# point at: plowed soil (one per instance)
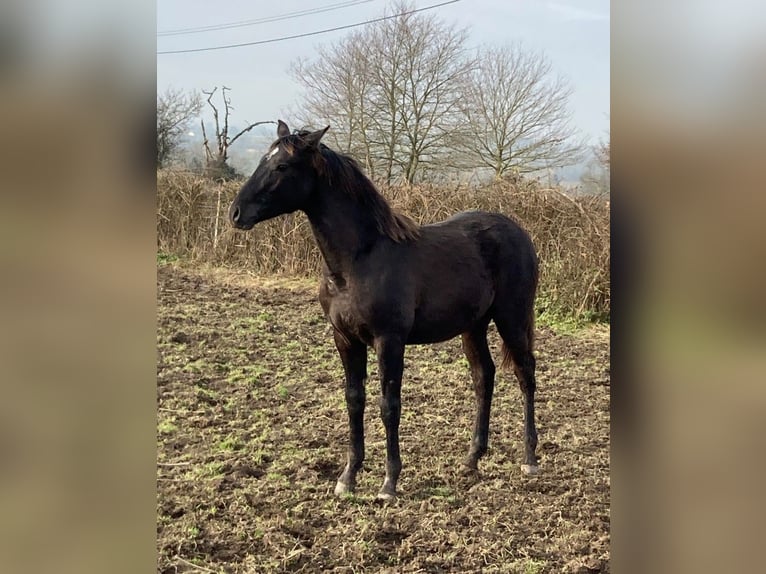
(252, 433)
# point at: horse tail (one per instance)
(528, 318)
(507, 361)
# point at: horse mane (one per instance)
(344, 173)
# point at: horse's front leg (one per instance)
(390, 352)
(353, 354)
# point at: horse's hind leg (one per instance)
(518, 338)
(483, 375)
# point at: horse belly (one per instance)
(434, 322)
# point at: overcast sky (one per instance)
(574, 34)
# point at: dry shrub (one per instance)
(571, 234)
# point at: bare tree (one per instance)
(604, 154)
(517, 114)
(175, 110)
(216, 160)
(433, 65)
(339, 84)
(390, 92)
(597, 175)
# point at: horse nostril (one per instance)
(235, 214)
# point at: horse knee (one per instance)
(390, 409)
(355, 396)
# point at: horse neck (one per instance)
(342, 227)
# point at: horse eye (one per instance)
(282, 167)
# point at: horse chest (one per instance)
(339, 306)
(346, 316)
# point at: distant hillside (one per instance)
(249, 148)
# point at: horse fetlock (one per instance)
(342, 488)
(388, 492)
(474, 454)
(530, 469)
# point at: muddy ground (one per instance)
(252, 434)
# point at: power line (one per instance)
(259, 42)
(243, 23)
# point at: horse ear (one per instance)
(313, 138)
(282, 129)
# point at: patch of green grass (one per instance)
(288, 451)
(247, 323)
(282, 391)
(276, 477)
(220, 368)
(251, 374)
(230, 443)
(167, 426)
(166, 258)
(264, 317)
(203, 393)
(254, 322)
(231, 404)
(197, 366)
(291, 346)
(440, 492)
(352, 498)
(260, 455)
(561, 323)
(565, 321)
(533, 566)
(209, 470)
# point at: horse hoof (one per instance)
(530, 469)
(342, 488)
(386, 496)
(470, 471)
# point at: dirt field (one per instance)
(252, 433)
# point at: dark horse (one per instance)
(388, 283)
